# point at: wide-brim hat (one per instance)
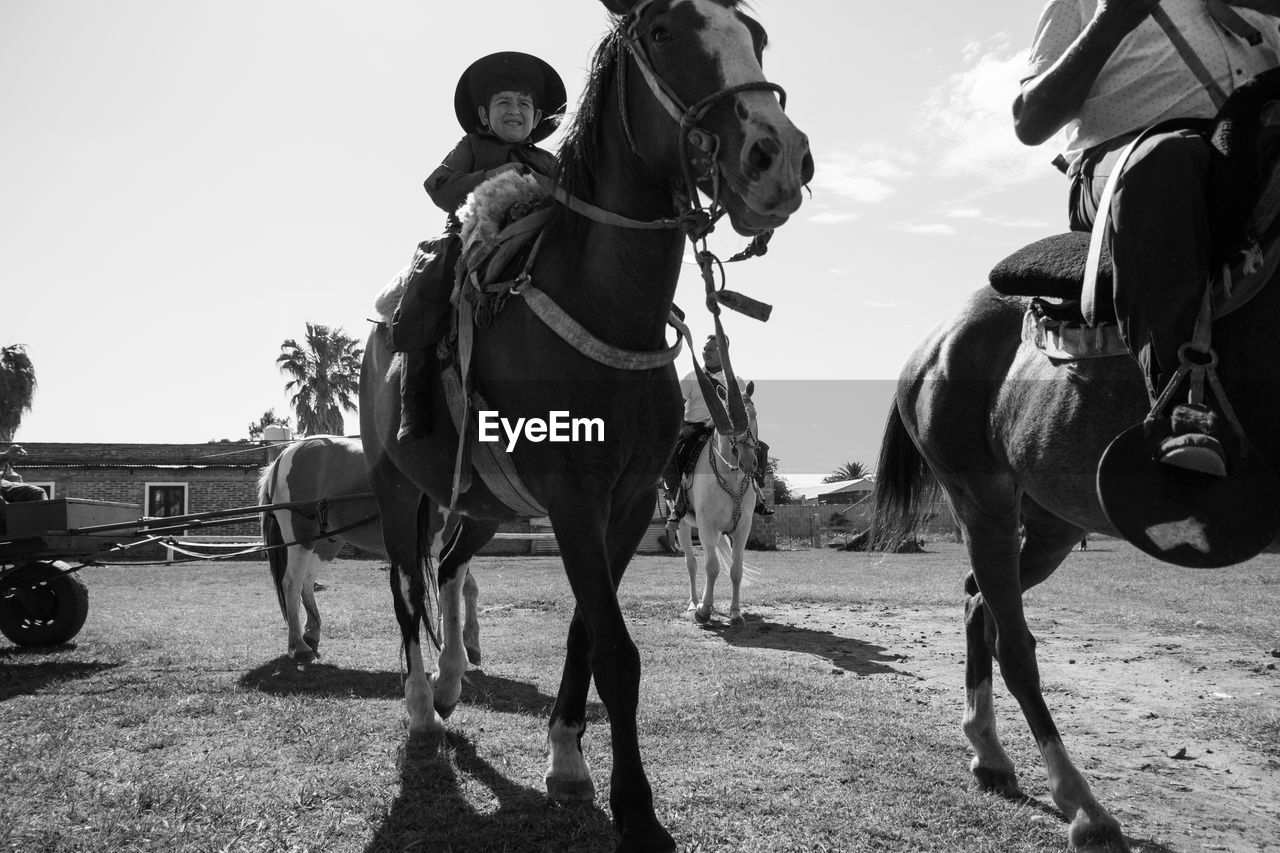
(510, 69)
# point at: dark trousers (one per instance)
(1159, 241)
(424, 306)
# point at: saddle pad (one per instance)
(1053, 267)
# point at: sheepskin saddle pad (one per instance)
(500, 220)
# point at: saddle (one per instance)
(1244, 208)
(687, 450)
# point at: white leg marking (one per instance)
(568, 777)
(453, 656)
(990, 761)
(417, 687)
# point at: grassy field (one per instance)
(829, 723)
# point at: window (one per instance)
(166, 499)
(48, 487)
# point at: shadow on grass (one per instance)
(26, 671)
(1136, 845)
(856, 656)
(432, 812)
(283, 676)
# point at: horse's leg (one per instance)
(739, 544)
(471, 619)
(711, 561)
(311, 633)
(295, 579)
(1047, 543)
(685, 535)
(468, 538)
(600, 645)
(996, 556)
(398, 502)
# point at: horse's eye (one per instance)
(660, 34)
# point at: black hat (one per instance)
(515, 71)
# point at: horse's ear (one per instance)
(751, 388)
(618, 7)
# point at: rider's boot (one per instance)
(415, 396)
(1191, 441)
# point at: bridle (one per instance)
(696, 221)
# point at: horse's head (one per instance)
(698, 107)
(741, 450)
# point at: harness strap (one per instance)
(1101, 223)
(577, 336)
(1216, 94)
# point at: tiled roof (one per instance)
(103, 455)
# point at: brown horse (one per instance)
(1014, 439)
(675, 88)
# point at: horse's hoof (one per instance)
(305, 655)
(423, 745)
(571, 790)
(473, 655)
(1096, 834)
(445, 710)
(1002, 782)
(313, 642)
(653, 839)
(701, 618)
(737, 621)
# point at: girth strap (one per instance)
(577, 336)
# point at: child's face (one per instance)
(511, 116)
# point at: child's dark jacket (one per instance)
(463, 170)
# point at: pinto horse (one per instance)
(721, 503)
(330, 471)
(611, 262)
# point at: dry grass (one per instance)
(173, 724)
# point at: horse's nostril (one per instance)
(806, 169)
(761, 156)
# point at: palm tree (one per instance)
(324, 376)
(847, 471)
(17, 388)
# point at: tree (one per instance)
(324, 376)
(17, 388)
(269, 418)
(781, 488)
(847, 471)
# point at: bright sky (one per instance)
(186, 183)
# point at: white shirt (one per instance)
(695, 407)
(1146, 80)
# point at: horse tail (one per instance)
(904, 486)
(272, 538)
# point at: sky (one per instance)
(184, 184)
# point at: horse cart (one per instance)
(43, 602)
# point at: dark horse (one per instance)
(1014, 439)
(626, 154)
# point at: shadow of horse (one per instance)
(285, 676)
(849, 654)
(432, 813)
(27, 671)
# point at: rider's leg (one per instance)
(762, 467)
(1160, 248)
(415, 330)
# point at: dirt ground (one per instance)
(1158, 724)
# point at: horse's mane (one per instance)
(580, 149)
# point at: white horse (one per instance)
(323, 470)
(721, 502)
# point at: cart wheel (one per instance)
(43, 607)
